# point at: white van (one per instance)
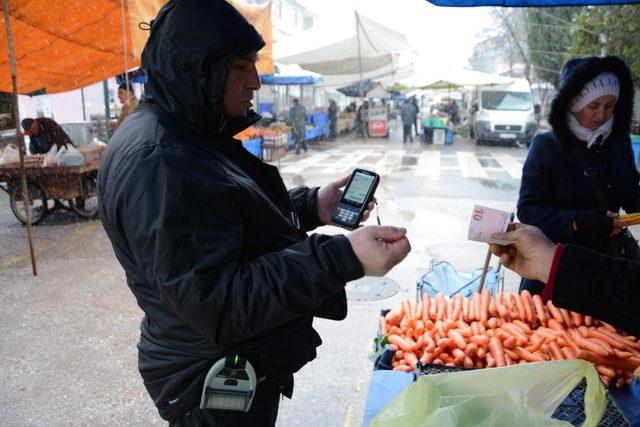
(503, 114)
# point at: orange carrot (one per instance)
(536, 346)
(442, 307)
(569, 353)
(419, 310)
(522, 326)
(555, 325)
(404, 368)
(566, 316)
(493, 309)
(495, 347)
(588, 320)
(480, 340)
(522, 314)
(468, 363)
(588, 344)
(493, 323)
(503, 312)
(458, 355)
(555, 312)
(482, 352)
(611, 362)
(457, 338)
(399, 354)
(485, 300)
(457, 307)
(400, 342)
(594, 333)
(555, 351)
(528, 306)
(383, 325)
(491, 362)
(510, 343)
(577, 318)
(528, 356)
(539, 306)
(471, 349)
(411, 359)
(477, 305)
(406, 308)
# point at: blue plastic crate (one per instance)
(635, 145)
(254, 146)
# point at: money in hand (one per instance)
(485, 222)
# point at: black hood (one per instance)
(187, 59)
(576, 73)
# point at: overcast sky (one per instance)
(444, 37)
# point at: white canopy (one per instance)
(336, 52)
(378, 92)
(443, 79)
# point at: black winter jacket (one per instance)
(213, 246)
(554, 186)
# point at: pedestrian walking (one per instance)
(299, 119)
(408, 116)
(333, 118)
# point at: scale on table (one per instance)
(230, 385)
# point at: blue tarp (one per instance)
(291, 74)
(528, 3)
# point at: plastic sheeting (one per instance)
(527, 3)
(291, 75)
(336, 52)
(68, 44)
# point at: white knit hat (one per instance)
(604, 84)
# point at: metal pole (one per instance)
(16, 115)
(107, 110)
(360, 83)
(84, 110)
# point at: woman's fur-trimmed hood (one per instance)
(576, 73)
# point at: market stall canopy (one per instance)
(291, 74)
(357, 89)
(364, 46)
(69, 44)
(528, 3)
(452, 79)
(378, 92)
(386, 75)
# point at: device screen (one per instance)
(359, 188)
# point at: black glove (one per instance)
(593, 224)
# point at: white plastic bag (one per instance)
(70, 156)
(51, 158)
(10, 154)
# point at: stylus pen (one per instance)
(378, 214)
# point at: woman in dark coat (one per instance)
(590, 118)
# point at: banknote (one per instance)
(487, 221)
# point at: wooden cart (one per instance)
(53, 187)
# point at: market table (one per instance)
(385, 385)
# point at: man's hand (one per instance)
(617, 224)
(328, 197)
(379, 248)
(530, 255)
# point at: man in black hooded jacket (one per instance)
(214, 248)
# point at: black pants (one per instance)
(406, 134)
(263, 412)
(332, 128)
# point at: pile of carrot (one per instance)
(482, 332)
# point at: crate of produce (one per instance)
(273, 154)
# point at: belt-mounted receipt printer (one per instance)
(230, 385)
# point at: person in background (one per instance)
(408, 115)
(333, 118)
(575, 278)
(299, 119)
(362, 120)
(578, 176)
(416, 125)
(129, 101)
(43, 133)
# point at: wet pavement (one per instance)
(68, 336)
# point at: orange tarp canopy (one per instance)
(68, 44)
